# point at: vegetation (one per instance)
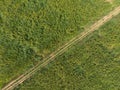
(32, 29)
(93, 64)
(116, 2)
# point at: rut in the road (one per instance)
(61, 50)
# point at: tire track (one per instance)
(61, 50)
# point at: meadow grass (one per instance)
(32, 29)
(92, 64)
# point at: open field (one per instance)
(62, 49)
(31, 30)
(93, 64)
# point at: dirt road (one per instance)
(59, 51)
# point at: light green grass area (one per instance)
(92, 64)
(116, 2)
(31, 29)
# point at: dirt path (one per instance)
(110, 1)
(59, 51)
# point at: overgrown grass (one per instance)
(32, 29)
(93, 64)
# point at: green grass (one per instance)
(92, 64)
(30, 30)
(116, 2)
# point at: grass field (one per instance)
(30, 30)
(93, 64)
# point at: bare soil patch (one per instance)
(110, 1)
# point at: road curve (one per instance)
(59, 51)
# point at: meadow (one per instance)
(31, 29)
(92, 64)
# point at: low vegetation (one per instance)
(93, 64)
(31, 29)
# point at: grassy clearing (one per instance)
(93, 64)
(116, 2)
(30, 30)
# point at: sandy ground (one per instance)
(110, 1)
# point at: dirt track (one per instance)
(61, 50)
